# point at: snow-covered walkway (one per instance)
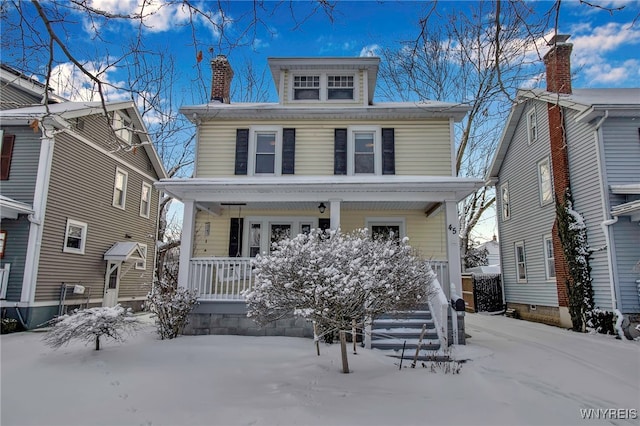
(518, 373)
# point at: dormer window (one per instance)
(324, 87)
(306, 87)
(340, 87)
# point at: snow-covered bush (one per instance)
(91, 324)
(336, 278)
(171, 306)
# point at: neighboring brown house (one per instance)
(79, 211)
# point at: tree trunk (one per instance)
(343, 350)
(97, 343)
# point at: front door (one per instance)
(112, 282)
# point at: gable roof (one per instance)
(57, 115)
(28, 84)
(589, 103)
(123, 251)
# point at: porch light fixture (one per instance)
(322, 208)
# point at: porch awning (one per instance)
(123, 251)
(314, 188)
(10, 208)
(631, 209)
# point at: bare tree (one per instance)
(38, 39)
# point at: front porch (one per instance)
(228, 221)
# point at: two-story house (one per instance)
(78, 208)
(325, 155)
(585, 140)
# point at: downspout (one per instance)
(608, 220)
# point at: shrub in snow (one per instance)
(171, 306)
(337, 278)
(90, 325)
(573, 236)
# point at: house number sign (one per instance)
(452, 229)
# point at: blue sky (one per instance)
(605, 54)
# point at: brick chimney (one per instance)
(558, 64)
(221, 75)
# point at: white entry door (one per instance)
(112, 282)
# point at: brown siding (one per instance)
(81, 188)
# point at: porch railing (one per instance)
(220, 278)
(227, 277)
(4, 280)
(439, 307)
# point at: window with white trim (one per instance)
(324, 86)
(549, 259)
(340, 87)
(75, 237)
(262, 232)
(504, 201)
(544, 182)
(532, 126)
(145, 200)
(142, 264)
(122, 126)
(381, 227)
(120, 188)
(364, 149)
(521, 262)
(265, 151)
(306, 87)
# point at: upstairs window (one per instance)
(532, 126)
(544, 182)
(120, 189)
(122, 126)
(340, 87)
(306, 87)
(265, 152)
(504, 199)
(364, 152)
(75, 237)
(145, 200)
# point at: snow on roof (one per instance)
(123, 251)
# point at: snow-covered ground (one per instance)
(518, 373)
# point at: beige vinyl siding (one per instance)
(425, 234)
(81, 188)
(421, 149)
(13, 97)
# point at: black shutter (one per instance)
(340, 152)
(5, 156)
(242, 151)
(235, 237)
(288, 151)
(388, 152)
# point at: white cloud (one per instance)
(69, 82)
(609, 74)
(370, 50)
(160, 15)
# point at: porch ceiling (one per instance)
(309, 189)
(221, 208)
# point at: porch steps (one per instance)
(393, 331)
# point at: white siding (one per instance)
(529, 221)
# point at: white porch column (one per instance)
(186, 242)
(334, 210)
(453, 248)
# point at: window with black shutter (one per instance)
(5, 156)
(340, 152)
